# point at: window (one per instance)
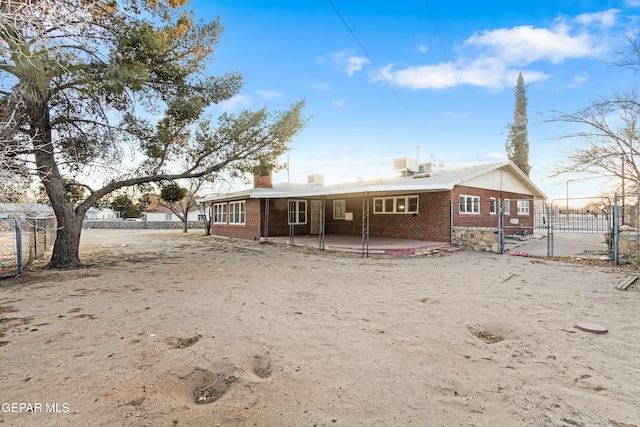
(523, 207)
(407, 204)
(470, 204)
(220, 213)
(297, 211)
(168, 216)
(492, 205)
(237, 212)
(339, 207)
(507, 207)
(202, 217)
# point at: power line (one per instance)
(367, 53)
(446, 52)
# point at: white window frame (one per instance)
(506, 207)
(220, 213)
(493, 205)
(339, 209)
(168, 216)
(294, 208)
(522, 208)
(237, 212)
(395, 207)
(465, 208)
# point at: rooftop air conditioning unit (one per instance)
(315, 179)
(405, 165)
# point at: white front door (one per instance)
(316, 216)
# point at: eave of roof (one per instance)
(441, 181)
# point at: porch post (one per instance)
(365, 225)
(266, 219)
(322, 223)
(500, 227)
(550, 219)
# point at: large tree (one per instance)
(517, 145)
(180, 200)
(608, 132)
(97, 88)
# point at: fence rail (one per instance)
(23, 240)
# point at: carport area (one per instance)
(354, 244)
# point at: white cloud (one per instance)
(237, 101)
(493, 58)
(349, 63)
(525, 44)
(269, 94)
(607, 18)
(632, 3)
(422, 48)
(421, 77)
(338, 102)
(578, 81)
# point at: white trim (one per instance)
(220, 213)
(471, 204)
(297, 212)
(238, 212)
(337, 212)
(521, 207)
(395, 205)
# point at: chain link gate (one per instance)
(625, 233)
(24, 240)
(560, 230)
(10, 247)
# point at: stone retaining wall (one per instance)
(481, 239)
(141, 225)
(628, 248)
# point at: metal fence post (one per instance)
(616, 213)
(500, 227)
(549, 229)
(18, 245)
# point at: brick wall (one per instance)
(432, 222)
(250, 230)
(485, 218)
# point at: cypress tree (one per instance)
(517, 145)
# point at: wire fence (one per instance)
(23, 240)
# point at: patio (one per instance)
(354, 244)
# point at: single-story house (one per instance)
(156, 212)
(99, 214)
(421, 204)
(25, 210)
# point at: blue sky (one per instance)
(436, 74)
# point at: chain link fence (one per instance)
(23, 240)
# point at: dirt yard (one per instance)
(169, 329)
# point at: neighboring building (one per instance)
(423, 204)
(161, 213)
(100, 214)
(26, 210)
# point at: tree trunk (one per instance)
(184, 225)
(66, 248)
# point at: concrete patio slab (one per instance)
(354, 244)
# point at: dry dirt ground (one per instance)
(169, 329)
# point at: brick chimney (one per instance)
(263, 181)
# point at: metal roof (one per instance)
(439, 181)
